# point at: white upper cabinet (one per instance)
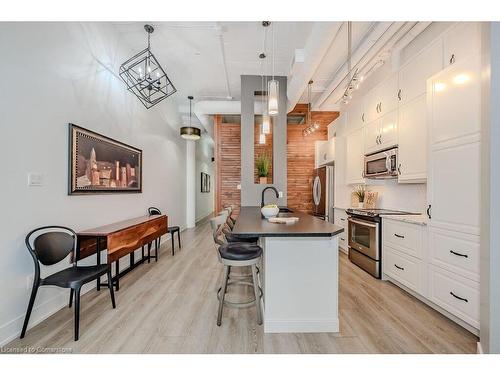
(456, 101)
(382, 133)
(325, 152)
(413, 76)
(461, 41)
(372, 136)
(382, 99)
(388, 92)
(389, 130)
(355, 157)
(454, 179)
(356, 115)
(412, 140)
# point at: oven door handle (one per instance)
(362, 223)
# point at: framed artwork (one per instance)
(100, 165)
(205, 182)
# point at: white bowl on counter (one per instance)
(268, 212)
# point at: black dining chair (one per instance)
(172, 230)
(51, 247)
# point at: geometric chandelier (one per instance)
(144, 76)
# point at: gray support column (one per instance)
(251, 192)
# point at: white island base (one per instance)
(300, 282)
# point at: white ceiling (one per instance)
(191, 53)
(207, 59)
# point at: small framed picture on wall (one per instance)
(205, 182)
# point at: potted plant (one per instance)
(263, 164)
(360, 192)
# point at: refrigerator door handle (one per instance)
(316, 191)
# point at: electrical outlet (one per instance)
(238, 186)
(29, 282)
(280, 194)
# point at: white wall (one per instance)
(204, 154)
(53, 74)
(490, 200)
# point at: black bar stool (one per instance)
(237, 254)
(171, 230)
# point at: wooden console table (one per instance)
(120, 239)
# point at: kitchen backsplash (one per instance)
(391, 195)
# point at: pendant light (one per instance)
(273, 86)
(262, 139)
(266, 120)
(311, 127)
(145, 77)
(190, 132)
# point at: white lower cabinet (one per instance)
(439, 265)
(340, 219)
(454, 293)
(406, 269)
(455, 251)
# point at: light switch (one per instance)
(35, 179)
(238, 186)
(280, 194)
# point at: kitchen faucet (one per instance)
(262, 204)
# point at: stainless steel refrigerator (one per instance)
(322, 192)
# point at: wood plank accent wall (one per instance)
(227, 164)
(300, 157)
(266, 149)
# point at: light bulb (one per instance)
(266, 124)
(262, 139)
(273, 92)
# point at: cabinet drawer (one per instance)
(457, 252)
(407, 270)
(343, 240)
(456, 294)
(404, 237)
(340, 217)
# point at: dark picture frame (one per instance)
(102, 165)
(205, 182)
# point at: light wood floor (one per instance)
(171, 307)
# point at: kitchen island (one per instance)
(299, 272)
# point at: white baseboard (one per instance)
(12, 330)
(198, 219)
(479, 348)
(311, 326)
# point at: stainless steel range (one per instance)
(365, 237)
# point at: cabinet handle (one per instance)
(458, 254)
(458, 297)
(398, 267)
(399, 169)
(342, 219)
(429, 211)
(452, 59)
(399, 236)
(363, 117)
(343, 239)
(399, 94)
(380, 106)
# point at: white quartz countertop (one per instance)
(413, 219)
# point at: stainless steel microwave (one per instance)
(382, 164)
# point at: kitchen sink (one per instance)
(285, 209)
